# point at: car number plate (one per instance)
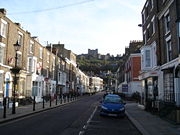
(112, 115)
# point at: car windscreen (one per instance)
(112, 99)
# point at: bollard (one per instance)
(68, 98)
(4, 105)
(50, 100)
(61, 99)
(34, 103)
(56, 99)
(43, 102)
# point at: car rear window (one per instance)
(112, 99)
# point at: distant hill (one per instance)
(98, 67)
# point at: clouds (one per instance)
(108, 25)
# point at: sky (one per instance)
(106, 25)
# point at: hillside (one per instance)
(97, 66)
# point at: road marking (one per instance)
(81, 132)
(87, 123)
(84, 127)
(90, 118)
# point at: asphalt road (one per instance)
(103, 125)
(80, 117)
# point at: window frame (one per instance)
(48, 57)
(153, 25)
(19, 58)
(167, 20)
(3, 28)
(31, 47)
(20, 38)
(30, 65)
(147, 65)
(169, 50)
(2, 46)
(40, 52)
(168, 81)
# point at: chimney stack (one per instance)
(18, 24)
(3, 11)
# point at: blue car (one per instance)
(112, 105)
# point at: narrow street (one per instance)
(71, 120)
(101, 125)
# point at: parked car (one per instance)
(112, 105)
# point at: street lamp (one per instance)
(15, 70)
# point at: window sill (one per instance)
(167, 32)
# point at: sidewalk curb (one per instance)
(137, 124)
(32, 113)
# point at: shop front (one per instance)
(150, 90)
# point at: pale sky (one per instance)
(106, 25)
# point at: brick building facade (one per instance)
(160, 57)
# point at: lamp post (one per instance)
(15, 70)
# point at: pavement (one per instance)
(149, 124)
(27, 110)
(145, 122)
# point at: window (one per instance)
(59, 76)
(168, 87)
(20, 38)
(59, 64)
(30, 63)
(3, 28)
(53, 64)
(169, 50)
(34, 65)
(1, 82)
(154, 54)
(146, 10)
(53, 68)
(38, 68)
(147, 58)
(153, 25)
(167, 22)
(35, 88)
(19, 54)
(145, 37)
(47, 72)
(143, 17)
(179, 29)
(40, 53)
(48, 57)
(31, 46)
(146, 13)
(148, 32)
(2, 52)
(142, 59)
(152, 3)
